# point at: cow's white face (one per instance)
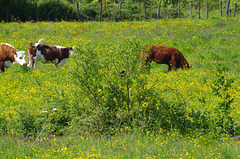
(20, 58)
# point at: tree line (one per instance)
(108, 10)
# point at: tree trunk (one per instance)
(120, 10)
(178, 9)
(227, 8)
(235, 9)
(207, 10)
(100, 12)
(220, 8)
(190, 7)
(199, 9)
(158, 11)
(145, 6)
(36, 11)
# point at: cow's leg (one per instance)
(35, 60)
(30, 61)
(182, 65)
(169, 67)
(63, 62)
(29, 58)
(174, 65)
(2, 67)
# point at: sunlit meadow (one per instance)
(203, 43)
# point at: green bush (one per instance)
(28, 124)
(223, 123)
(106, 101)
(54, 10)
(16, 10)
(89, 11)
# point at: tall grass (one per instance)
(135, 145)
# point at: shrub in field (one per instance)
(221, 123)
(51, 116)
(59, 114)
(28, 124)
(107, 100)
(200, 121)
(224, 123)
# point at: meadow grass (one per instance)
(134, 145)
(30, 91)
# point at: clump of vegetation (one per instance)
(111, 101)
(224, 123)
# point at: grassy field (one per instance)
(161, 145)
(29, 97)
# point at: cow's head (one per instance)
(68, 50)
(20, 58)
(71, 50)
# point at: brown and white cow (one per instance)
(9, 55)
(47, 53)
(163, 55)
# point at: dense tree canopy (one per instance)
(24, 10)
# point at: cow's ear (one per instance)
(31, 44)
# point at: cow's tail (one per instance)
(40, 41)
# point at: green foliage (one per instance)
(56, 10)
(107, 93)
(57, 116)
(201, 121)
(3, 125)
(224, 123)
(14, 10)
(28, 123)
(172, 12)
(110, 101)
(90, 11)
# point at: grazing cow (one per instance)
(47, 53)
(9, 55)
(163, 55)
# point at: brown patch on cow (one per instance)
(6, 54)
(163, 55)
(31, 53)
